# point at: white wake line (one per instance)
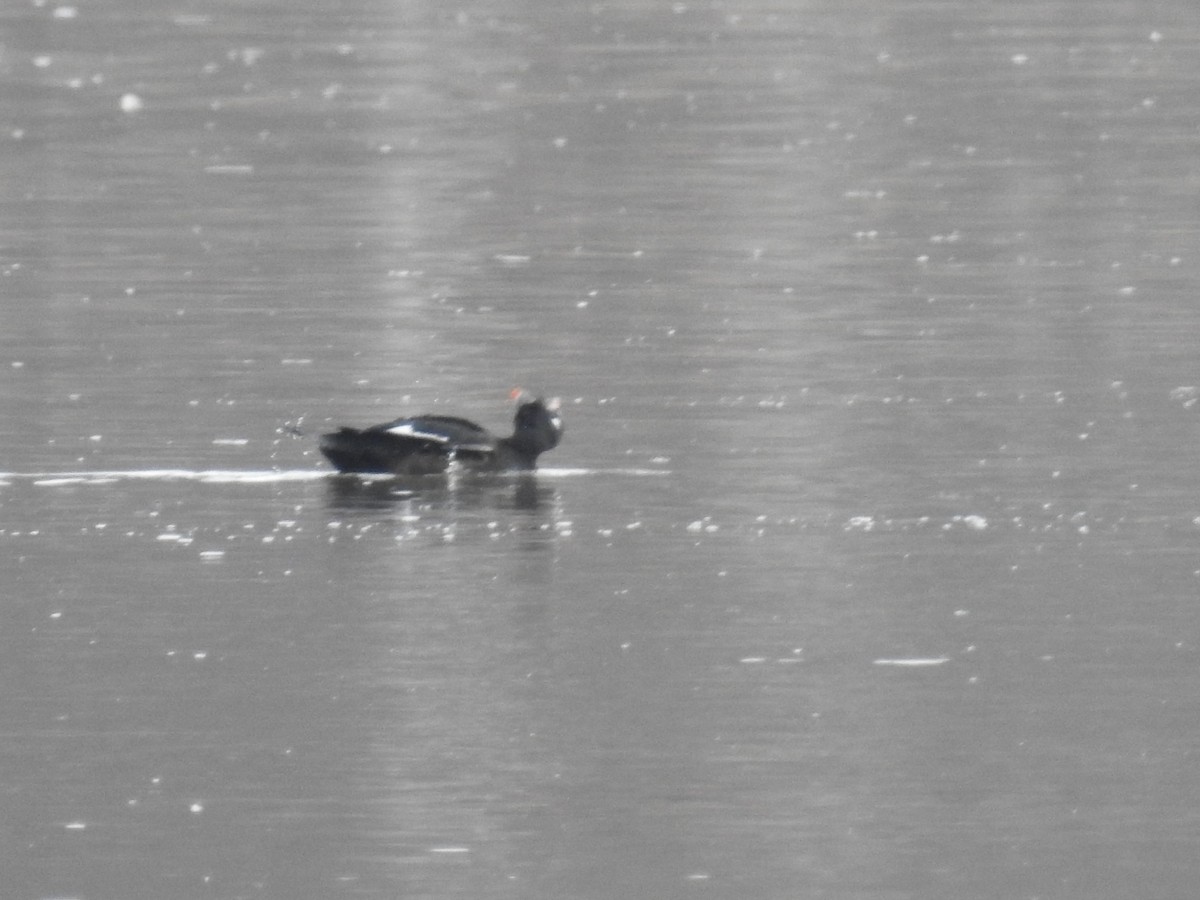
(242, 476)
(575, 473)
(208, 476)
(913, 661)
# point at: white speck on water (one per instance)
(131, 104)
(449, 849)
(248, 56)
(212, 555)
(196, 808)
(1185, 394)
(75, 826)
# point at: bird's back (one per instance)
(451, 432)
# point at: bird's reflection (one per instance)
(523, 491)
(515, 512)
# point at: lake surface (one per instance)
(868, 569)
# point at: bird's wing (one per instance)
(450, 432)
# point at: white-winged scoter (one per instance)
(428, 444)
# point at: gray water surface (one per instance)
(867, 569)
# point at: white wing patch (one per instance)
(407, 429)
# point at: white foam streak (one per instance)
(207, 476)
(566, 472)
(265, 476)
(914, 661)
